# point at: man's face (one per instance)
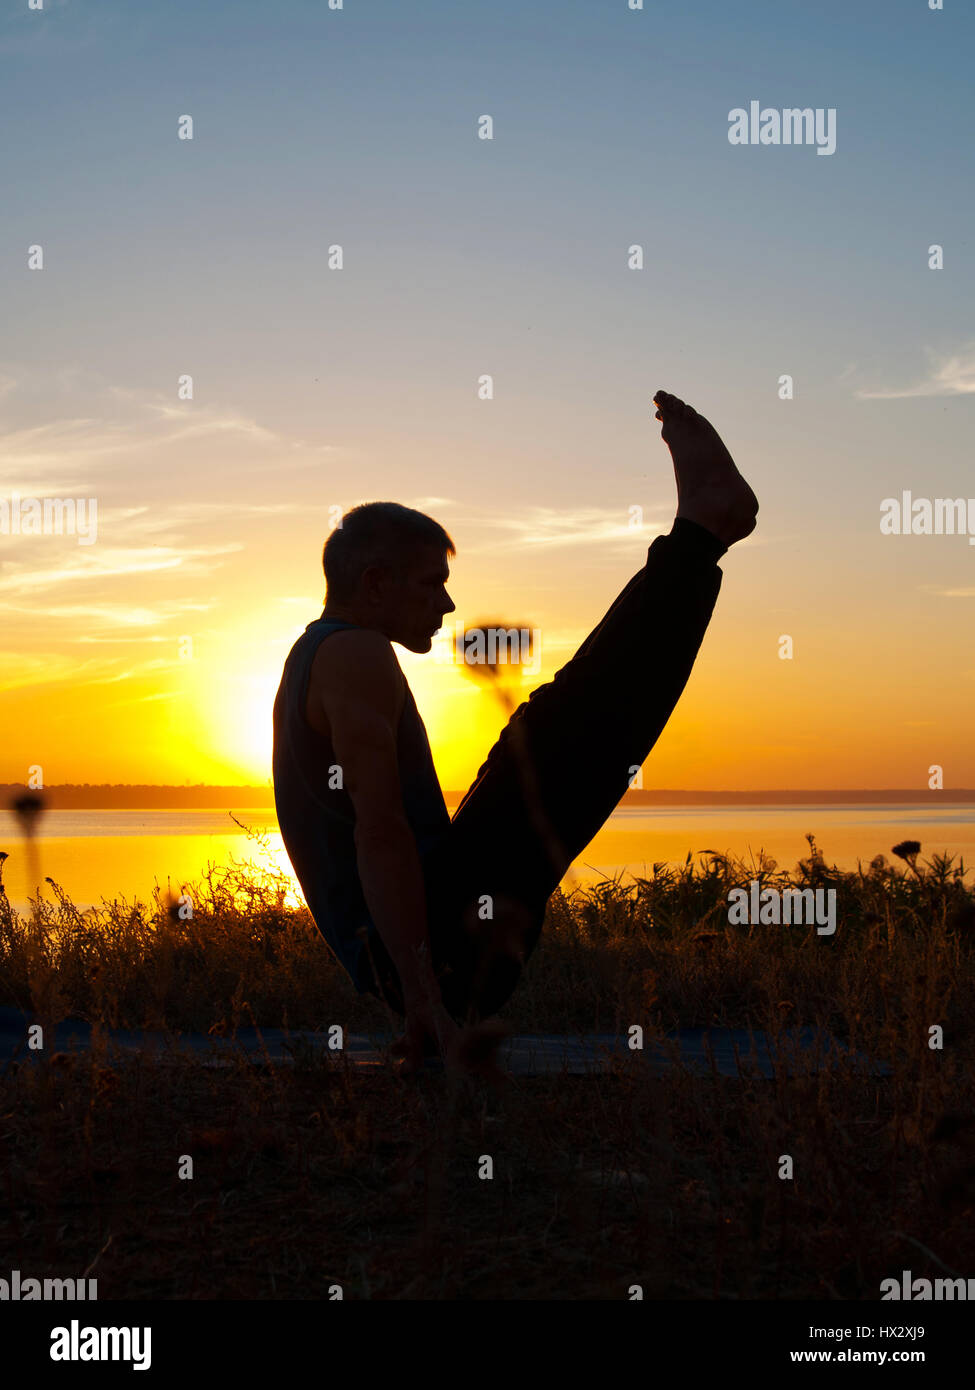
(417, 603)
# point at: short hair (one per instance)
(376, 533)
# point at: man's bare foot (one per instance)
(710, 490)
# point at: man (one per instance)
(438, 916)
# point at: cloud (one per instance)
(141, 699)
(116, 615)
(175, 517)
(78, 565)
(947, 376)
(124, 616)
(157, 664)
(71, 445)
(158, 437)
(129, 639)
(548, 527)
(193, 422)
(42, 668)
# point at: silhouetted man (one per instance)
(396, 886)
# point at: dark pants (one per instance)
(555, 775)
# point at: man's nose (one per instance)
(451, 606)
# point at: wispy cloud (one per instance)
(142, 699)
(175, 518)
(61, 448)
(78, 566)
(144, 428)
(107, 614)
(128, 639)
(43, 668)
(541, 527)
(193, 422)
(946, 376)
(157, 664)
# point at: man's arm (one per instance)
(361, 696)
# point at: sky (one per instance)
(150, 651)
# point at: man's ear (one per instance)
(370, 583)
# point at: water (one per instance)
(112, 853)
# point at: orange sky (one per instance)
(96, 689)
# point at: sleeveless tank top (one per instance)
(317, 820)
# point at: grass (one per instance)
(307, 1177)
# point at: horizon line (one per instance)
(266, 788)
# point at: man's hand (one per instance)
(470, 1051)
(429, 1030)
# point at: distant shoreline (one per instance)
(70, 797)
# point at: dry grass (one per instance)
(306, 1177)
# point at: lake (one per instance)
(114, 853)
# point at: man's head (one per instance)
(385, 567)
